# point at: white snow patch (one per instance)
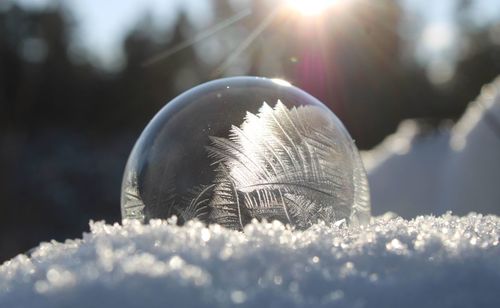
(415, 173)
(445, 261)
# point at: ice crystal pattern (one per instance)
(281, 164)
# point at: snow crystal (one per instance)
(445, 261)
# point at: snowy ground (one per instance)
(445, 261)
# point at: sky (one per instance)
(105, 34)
(102, 34)
(439, 34)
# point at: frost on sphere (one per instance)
(240, 148)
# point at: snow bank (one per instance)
(414, 172)
(404, 172)
(445, 261)
(472, 174)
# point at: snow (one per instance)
(445, 261)
(428, 261)
(404, 172)
(418, 172)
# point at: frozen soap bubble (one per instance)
(235, 149)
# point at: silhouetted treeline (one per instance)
(66, 126)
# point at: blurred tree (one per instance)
(478, 64)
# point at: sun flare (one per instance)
(310, 7)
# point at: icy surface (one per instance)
(445, 261)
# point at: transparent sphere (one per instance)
(240, 148)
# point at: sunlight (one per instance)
(311, 7)
(437, 37)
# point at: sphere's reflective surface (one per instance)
(240, 148)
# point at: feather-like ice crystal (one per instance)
(236, 149)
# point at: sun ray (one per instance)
(199, 37)
(248, 40)
(309, 7)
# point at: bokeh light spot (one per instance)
(438, 36)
